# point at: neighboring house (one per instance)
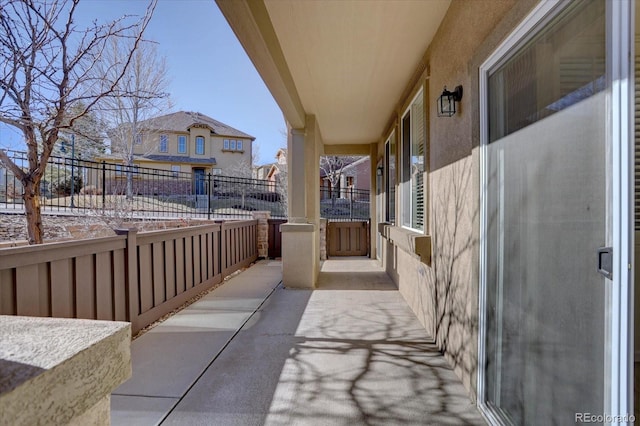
(354, 175)
(357, 175)
(508, 201)
(273, 172)
(189, 142)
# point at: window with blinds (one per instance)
(390, 183)
(636, 163)
(413, 167)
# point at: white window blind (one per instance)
(417, 164)
(413, 167)
(637, 146)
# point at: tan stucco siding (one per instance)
(444, 295)
(213, 147)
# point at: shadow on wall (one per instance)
(455, 295)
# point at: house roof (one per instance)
(182, 121)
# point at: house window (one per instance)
(199, 145)
(175, 169)
(390, 178)
(413, 149)
(349, 181)
(138, 140)
(164, 143)
(232, 145)
(182, 144)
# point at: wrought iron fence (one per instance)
(82, 186)
(344, 204)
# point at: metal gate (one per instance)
(348, 238)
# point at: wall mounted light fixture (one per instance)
(380, 171)
(447, 101)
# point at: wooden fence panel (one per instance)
(157, 250)
(188, 261)
(209, 247)
(7, 292)
(145, 280)
(28, 291)
(62, 296)
(348, 238)
(85, 287)
(134, 277)
(169, 269)
(104, 290)
(120, 303)
(180, 270)
(239, 244)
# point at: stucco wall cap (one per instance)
(297, 227)
(411, 242)
(55, 369)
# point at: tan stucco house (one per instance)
(503, 211)
(192, 142)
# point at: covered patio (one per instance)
(253, 352)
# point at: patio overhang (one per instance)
(347, 63)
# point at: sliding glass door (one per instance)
(548, 252)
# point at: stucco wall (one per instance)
(444, 295)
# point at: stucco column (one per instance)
(300, 247)
(313, 145)
(296, 189)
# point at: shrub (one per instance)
(63, 187)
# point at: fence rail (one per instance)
(136, 277)
(83, 187)
(115, 190)
(344, 204)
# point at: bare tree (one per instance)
(332, 167)
(140, 95)
(47, 65)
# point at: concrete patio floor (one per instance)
(253, 352)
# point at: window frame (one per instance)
(163, 146)
(199, 149)
(408, 196)
(239, 145)
(182, 144)
(225, 144)
(390, 178)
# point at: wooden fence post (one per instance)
(131, 277)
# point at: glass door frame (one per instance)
(619, 233)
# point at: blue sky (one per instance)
(208, 69)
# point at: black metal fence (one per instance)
(344, 204)
(75, 185)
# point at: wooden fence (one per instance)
(136, 277)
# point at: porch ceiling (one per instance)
(346, 62)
